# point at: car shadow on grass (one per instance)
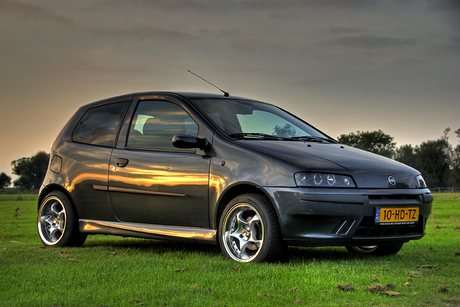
(183, 249)
(308, 254)
(152, 246)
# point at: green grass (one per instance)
(114, 271)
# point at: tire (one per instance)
(379, 250)
(57, 222)
(249, 230)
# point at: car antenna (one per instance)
(225, 93)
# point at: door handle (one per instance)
(122, 162)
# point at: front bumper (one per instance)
(339, 217)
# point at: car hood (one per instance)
(367, 169)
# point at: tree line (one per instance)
(438, 161)
(31, 172)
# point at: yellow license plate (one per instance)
(395, 216)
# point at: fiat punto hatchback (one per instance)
(236, 172)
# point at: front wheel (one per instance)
(57, 222)
(379, 250)
(249, 230)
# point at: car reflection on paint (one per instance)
(236, 172)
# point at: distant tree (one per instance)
(5, 181)
(407, 154)
(374, 141)
(454, 179)
(22, 183)
(31, 171)
(433, 161)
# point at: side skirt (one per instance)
(148, 231)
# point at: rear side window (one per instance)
(99, 125)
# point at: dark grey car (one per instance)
(240, 173)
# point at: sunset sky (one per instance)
(342, 65)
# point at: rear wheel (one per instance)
(57, 222)
(380, 250)
(249, 230)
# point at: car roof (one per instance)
(187, 95)
(194, 95)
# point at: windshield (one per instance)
(249, 119)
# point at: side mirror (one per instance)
(188, 141)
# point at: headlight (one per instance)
(420, 181)
(323, 180)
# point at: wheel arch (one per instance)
(70, 234)
(239, 189)
(51, 188)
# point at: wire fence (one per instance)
(445, 190)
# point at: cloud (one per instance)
(345, 30)
(444, 5)
(284, 15)
(449, 48)
(450, 9)
(372, 42)
(455, 40)
(406, 63)
(145, 33)
(349, 4)
(31, 13)
(237, 5)
(244, 47)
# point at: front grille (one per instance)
(368, 229)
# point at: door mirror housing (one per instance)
(188, 141)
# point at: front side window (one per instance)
(155, 123)
(99, 125)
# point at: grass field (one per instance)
(114, 271)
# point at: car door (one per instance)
(151, 181)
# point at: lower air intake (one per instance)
(343, 227)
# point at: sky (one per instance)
(341, 65)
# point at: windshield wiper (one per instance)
(262, 136)
(310, 138)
